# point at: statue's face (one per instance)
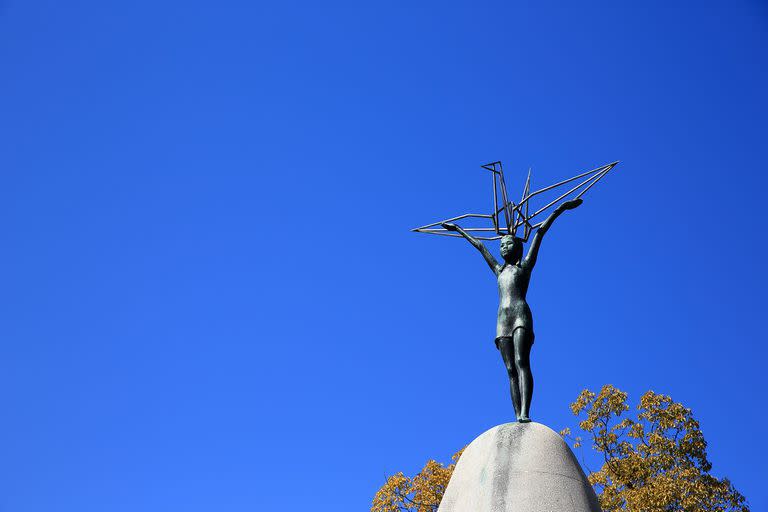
(511, 248)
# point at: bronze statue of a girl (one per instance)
(514, 325)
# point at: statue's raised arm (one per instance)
(477, 244)
(533, 251)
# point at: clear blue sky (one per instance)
(209, 295)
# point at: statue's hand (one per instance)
(570, 205)
(450, 226)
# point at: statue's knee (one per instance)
(522, 363)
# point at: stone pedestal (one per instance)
(519, 467)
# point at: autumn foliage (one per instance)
(654, 461)
(420, 493)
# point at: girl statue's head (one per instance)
(511, 249)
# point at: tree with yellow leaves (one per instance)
(656, 462)
(420, 493)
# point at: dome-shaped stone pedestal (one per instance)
(519, 467)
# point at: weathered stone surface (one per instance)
(519, 467)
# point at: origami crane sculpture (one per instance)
(507, 216)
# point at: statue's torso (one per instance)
(513, 309)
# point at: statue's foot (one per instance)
(524, 419)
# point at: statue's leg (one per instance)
(507, 349)
(522, 347)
